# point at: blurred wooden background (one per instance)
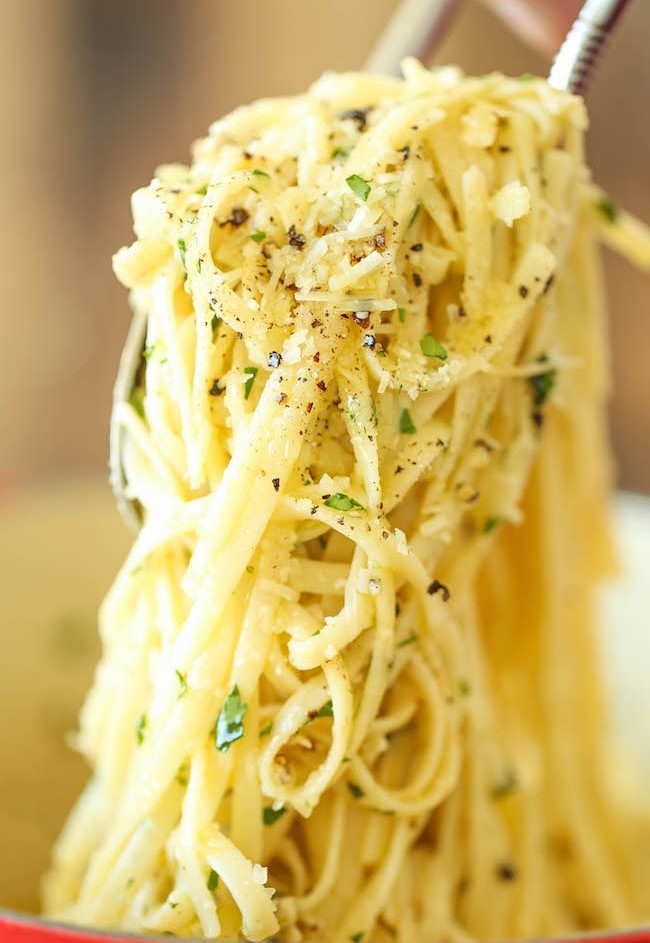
(96, 93)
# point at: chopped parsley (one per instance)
(251, 373)
(506, 785)
(181, 776)
(258, 236)
(202, 190)
(357, 937)
(527, 77)
(406, 424)
(135, 399)
(215, 322)
(259, 173)
(182, 248)
(373, 412)
(356, 790)
(413, 216)
(492, 523)
(271, 815)
(464, 688)
(250, 568)
(265, 731)
(182, 680)
(230, 722)
(542, 383)
(340, 152)
(608, 208)
(401, 314)
(341, 502)
(213, 880)
(359, 186)
(431, 347)
(324, 711)
(148, 352)
(140, 727)
(408, 641)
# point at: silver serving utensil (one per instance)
(415, 28)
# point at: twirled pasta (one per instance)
(348, 689)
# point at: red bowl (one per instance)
(16, 928)
(52, 649)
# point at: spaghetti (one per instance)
(349, 687)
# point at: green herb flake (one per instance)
(379, 811)
(140, 727)
(148, 352)
(258, 236)
(373, 412)
(215, 322)
(359, 186)
(340, 152)
(202, 190)
(431, 347)
(230, 722)
(181, 776)
(182, 248)
(527, 77)
(357, 937)
(250, 568)
(341, 502)
(326, 710)
(182, 680)
(406, 424)
(413, 216)
(608, 208)
(271, 815)
(198, 266)
(542, 383)
(259, 173)
(173, 904)
(464, 688)
(401, 314)
(505, 786)
(381, 353)
(492, 523)
(213, 880)
(135, 399)
(413, 637)
(265, 731)
(251, 373)
(356, 790)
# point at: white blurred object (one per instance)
(625, 629)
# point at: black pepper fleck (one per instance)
(238, 216)
(297, 240)
(358, 115)
(506, 872)
(276, 483)
(438, 587)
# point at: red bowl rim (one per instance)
(23, 928)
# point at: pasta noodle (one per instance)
(349, 689)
